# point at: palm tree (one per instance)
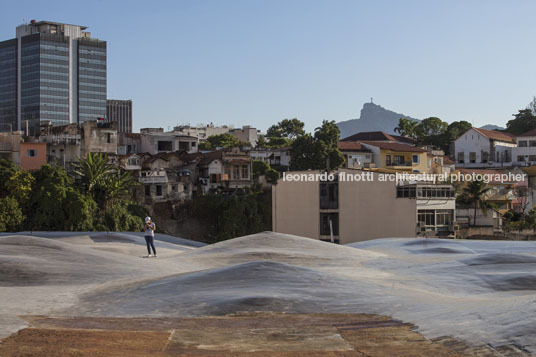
(104, 182)
(475, 194)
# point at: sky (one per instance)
(253, 62)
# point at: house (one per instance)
(524, 154)
(481, 148)
(280, 158)
(130, 162)
(201, 132)
(128, 143)
(398, 156)
(349, 211)
(33, 155)
(154, 141)
(356, 156)
(98, 137)
(225, 169)
(162, 178)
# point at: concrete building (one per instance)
(202, 132)
(524, 154)
(128, 143)
(99, 137)
(247, 135)
(155, 140)
(10, 145)
(480, 148)
(120, 112)
(51, 71)
(225, 169)
(355, 211)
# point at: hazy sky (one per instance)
(258, 62)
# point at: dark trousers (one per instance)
(150, 243)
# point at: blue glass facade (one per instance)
(91, 79)
(45, 79)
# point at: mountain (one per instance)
(492, 127)
(373, 117)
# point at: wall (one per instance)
(95, 139)
(33, 162)
(369, 210)
(295, 208)
(473, 141)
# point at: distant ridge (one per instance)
(373, 117)
(492, 127)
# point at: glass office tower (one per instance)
(51, 72)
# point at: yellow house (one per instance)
(398, 157)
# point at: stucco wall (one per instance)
(369, 210)
(295, 208)
(33, 162)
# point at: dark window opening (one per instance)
(165, 146)
(329, 195)
(325, 227)
(159, 190)
(147, 190)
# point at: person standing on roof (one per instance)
(150, 227)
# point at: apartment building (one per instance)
(352, 211)
(155, 140)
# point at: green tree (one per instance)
(407, 127)
(11, 217)
(475, 194)
(319, 151)
(223, 141)
(287, 128)
(19, 185)
(523, 121)
(205, 145)
(261, 168)
(275, 142)
(261, 143)
(7, 170)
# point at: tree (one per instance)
(475, 194)
(407, 127)
(523, 121)
(317, 152)
(224, 141)
(11, 217)
(261, 143)
(261, 168)
(275, 142)
(7, 170)
(287, 128)
(102, 181)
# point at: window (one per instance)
(245, 172)
(461, 157)
(174, 188)
(416, 159)
(520, 158)
(159, 190)
(485, 156)
(522, 144)
(31, 153)
(329, 195)
(426, 217)
(215, 178)
(443, 217)
(147, 190)
(236, 172)
(193, 144)
(532, 143)
(388, 160)
(532, 157)
(184, 146)
(108, 138)
(165, 146)
(398, 160)
(406, 192)
(472, 157)
(325, 227)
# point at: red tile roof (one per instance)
(529, 133)
(394, 146)
(496, 135)
(352, 146)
